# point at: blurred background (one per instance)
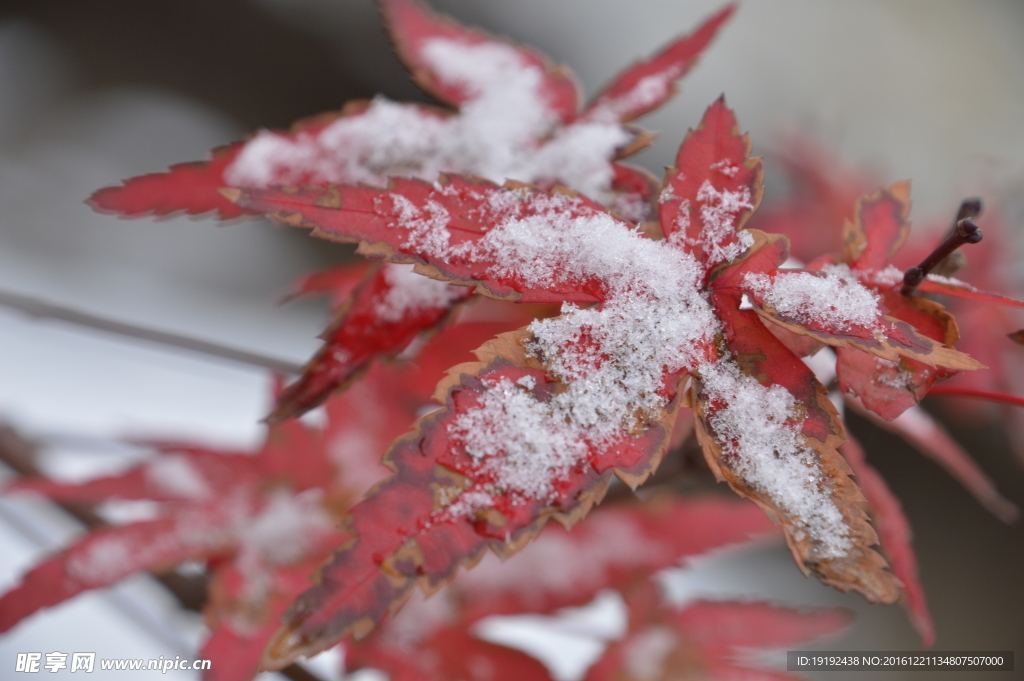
(94, 91)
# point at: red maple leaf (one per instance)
(537, 426)
(706, 639)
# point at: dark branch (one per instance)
(41, 309)
(966, 232)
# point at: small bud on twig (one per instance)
(966, 231)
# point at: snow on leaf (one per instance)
(894, 379)
(961, 289)
(262, 520)
(110, 554)
(177, 476)
(871, 239)
(389, 309)
(712, 191)
(648, 84)
(582, 387)
(895, 535)
(515, 242)
(768, 428)
(835, 308)
(450, 61)
(455, 494)
(193, 188)
(517, 119)
(888, 388)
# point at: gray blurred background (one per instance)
(93, 91)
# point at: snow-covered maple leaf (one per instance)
(537, 426)
(875, 233)
(518, 117)
(876, 246)
(829, 196)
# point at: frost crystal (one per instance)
(890, 276)
(495, 135)
(834, 299)
(718, 210)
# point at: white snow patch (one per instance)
(114, 556)
(411, 293)
(646, 93)
(896, 376)
(496, 134)
(104, 561)
(612, 359)
(949, 281)
(726, 167)
(834, 299)
(175, 475)
(646, 653)
(283, 532)
(718, 211)
(890, 276)
(762, 445)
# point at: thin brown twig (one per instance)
(19, 453)
(965, 231)
(41, 309)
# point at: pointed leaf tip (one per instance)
(648, 84)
